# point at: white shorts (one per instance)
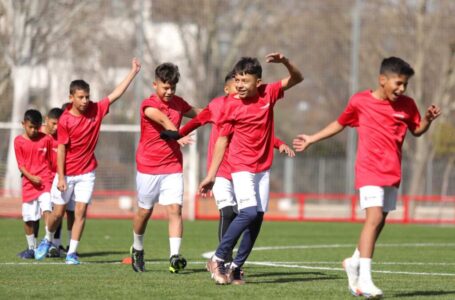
(223, 191)
(80, 189)
(166, 189)
(383, 196)
(252, 189)
(31, 211)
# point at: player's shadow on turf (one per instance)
(101, 253)
(290, 277)
(423, 293)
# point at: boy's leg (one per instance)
(30, 215)
(70, 207)
(83, 189)
(223, 192)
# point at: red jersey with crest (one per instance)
(155, 155)
(382, 127)
(80, 135)
(249, 123)
(34, 156)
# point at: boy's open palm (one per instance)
(301, 142)
(275, 57)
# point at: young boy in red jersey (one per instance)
(247, 125)
(78, 133)
(382, 118)
(50, 128)
(223, 190)
(33, 149)
(159, 176)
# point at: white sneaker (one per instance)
(353, 276)
(369, 290)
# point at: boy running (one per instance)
(78, 133)
(33, 149)
(247, 125)
(382, 118)
(159, 176)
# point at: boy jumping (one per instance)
(382, 118)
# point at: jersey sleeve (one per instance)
(19, 153)
(349, 117)
(185, 106)
(62, 132)
(277, 143)
(275, 91)
(202, 118)
(414, 117)
(103, 106)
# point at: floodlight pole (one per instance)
(354, 85)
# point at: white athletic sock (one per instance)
(57, 242)
(356, 254)
(365, 270)
(138, 241)
(69, 237)
(49, 235)
(73, 246)
(31, 241)
(216, 258)
(174, 245)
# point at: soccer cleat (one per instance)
(217, 271)
(235, 276)
(177, 263)
(27, 254)
(353, 276)
(137, 260)
(53, 252)
(42, 249)
(369, 290)
(72, 259)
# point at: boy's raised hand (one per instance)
(301, 142)
(275, 57)
(432, 113)
(135, 65)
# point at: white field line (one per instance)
(294, 265)
(331, 246)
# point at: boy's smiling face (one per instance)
(393, 85)
(246, 85)
(164, 90)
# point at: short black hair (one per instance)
(396, 65)
(248, 65)
(230, 75)
(55, 113)
(34, 117)
(167, 73)
(79, 84)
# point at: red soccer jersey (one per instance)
(382, 126)
(80, 135)
(249, 122)
(155, 155)
(34, 156)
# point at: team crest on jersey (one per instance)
(44, 150)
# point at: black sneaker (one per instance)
(177, 263)
(137, 260)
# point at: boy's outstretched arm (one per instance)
(295, 76)
(303, 141)
(207, 183)
(121, 88)
(430, 115)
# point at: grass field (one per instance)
(290, 261)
